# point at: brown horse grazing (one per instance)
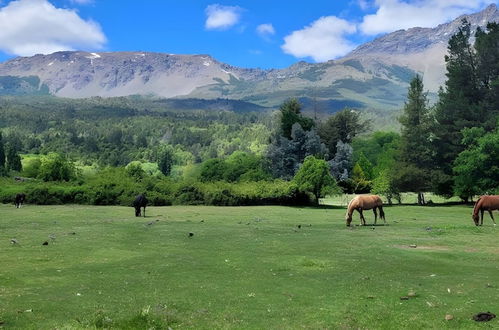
(365, 202)
(487, 202)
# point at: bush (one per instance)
(112, 186)
(55, 167)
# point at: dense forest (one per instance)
(105, 151)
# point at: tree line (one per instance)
(449, 148)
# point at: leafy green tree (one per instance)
(383, 185)
(244, 166)
(415, 151)
(135, 170)
(359, 180)
(55, 167)
(366, 166)
(212, 170)
(408, 178)
(166, 159)
(476, 169)
(290, 115)
(342, 126)
(31, 167)
(314, 177)
(13, 159)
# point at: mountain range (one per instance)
(375, 75)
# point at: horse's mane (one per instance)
(348, 205)
(477, 206)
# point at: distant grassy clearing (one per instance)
(245, 267)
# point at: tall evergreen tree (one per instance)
(470, 98)
(342, 126)
(487, 50)
(458, 105)
(13, 159)
(290, 115)
(414, 144)
(2, 156)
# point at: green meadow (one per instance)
(265, 267)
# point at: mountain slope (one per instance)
(375, 75)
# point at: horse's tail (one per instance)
(381, 212)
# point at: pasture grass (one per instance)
(244, 267)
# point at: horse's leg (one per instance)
(492, 217)
(362, 219)
(375, 215)
(144, 211)
(481, 216)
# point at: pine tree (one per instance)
(470, 98)
(458, 105)
(342, 126)
(487, 50)
(366, 166)
(415, 151)
(13, 159)
(2, 156)
(166, 160)
(290, 115)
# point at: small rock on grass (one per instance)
(448, 317)
(412, 294)
(404, 298)
(45, 243)
(413, 246)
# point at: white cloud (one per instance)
(82, 2)
(265, 30)
(323, 40)
(28, 27)
(394, 15)
(220, 17)
(364, 4)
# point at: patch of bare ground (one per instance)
(423, 247)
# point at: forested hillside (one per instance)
(106, 150)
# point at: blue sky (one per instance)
(246, 33)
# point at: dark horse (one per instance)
(140, 201)
(19, 200)
(487, 202)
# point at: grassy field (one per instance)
(245, 267)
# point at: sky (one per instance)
(246, 33)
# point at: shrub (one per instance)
(55, 167)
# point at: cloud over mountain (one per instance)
(322, 40)
(394, 15)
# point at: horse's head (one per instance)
(348, 218)
(475, 219)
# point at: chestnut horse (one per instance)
(486, 202)
(365, 202)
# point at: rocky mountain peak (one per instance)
(418, 39)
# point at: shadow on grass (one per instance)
(318, 207)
